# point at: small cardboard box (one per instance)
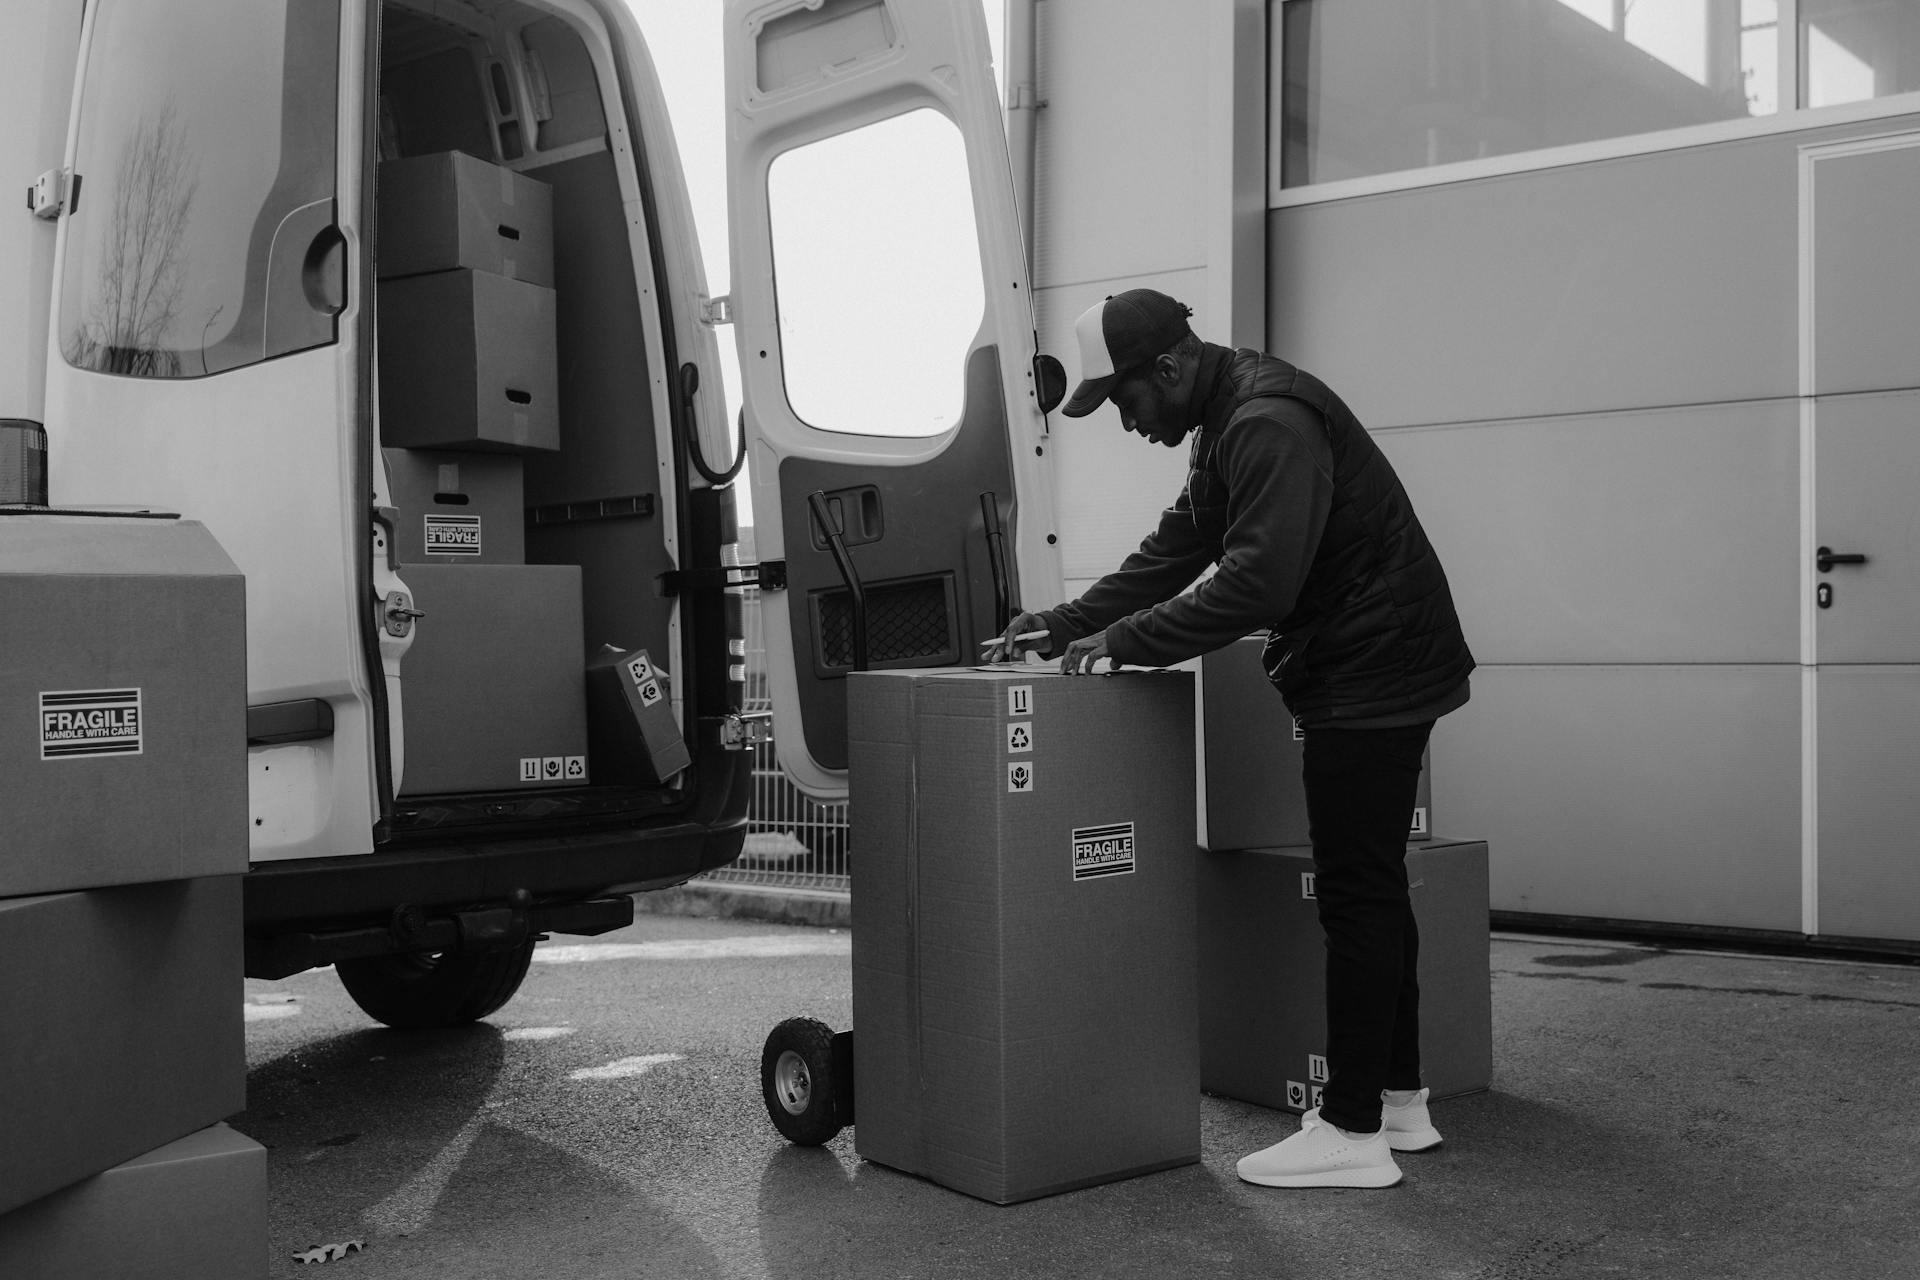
(457, 508)
(1251, 754)
(492, 692)
(193, 1209)
(123, 1017)
(1023, 965)
(1263, 966)
(450, 210)
(467, 361)
(632, 736)
(123, 700)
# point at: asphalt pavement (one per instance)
(1654, 1113)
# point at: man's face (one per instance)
(1151, 404)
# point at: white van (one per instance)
(457, 477)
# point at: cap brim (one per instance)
(1089, 395)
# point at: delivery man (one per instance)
(1311, 537)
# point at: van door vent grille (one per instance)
(908, 623)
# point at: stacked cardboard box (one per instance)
(1251, 755)
(467, 318)
(124, 826)
(1023, 973)
(1263, 1010)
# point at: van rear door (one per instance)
(209, 356)
(898, 450)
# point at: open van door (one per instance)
(898, 448)
(210, 355)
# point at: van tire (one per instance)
(414, 991)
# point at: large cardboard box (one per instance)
(194, 1209)
(1023, 951)
(493, 690)
(467, 361)
(632, 735)
(457, 508)
(1263, 966)
(123, 703)
(450, 210)
(1251, 754)
(122, 1013)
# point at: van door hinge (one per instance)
(768, 575)
(717, 311)
(47, 197)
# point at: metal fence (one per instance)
(793, 840)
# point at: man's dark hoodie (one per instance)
(1314, 539)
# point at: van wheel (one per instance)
(802, 1083)
(413, 991)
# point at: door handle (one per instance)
(1826, 557)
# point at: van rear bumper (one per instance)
(332, 894)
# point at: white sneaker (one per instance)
(1408, 1128)
(1322, 1155)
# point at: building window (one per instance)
(1383, 86)
(206, 163)
(880, 297)
(1854, 50)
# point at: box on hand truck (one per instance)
(1024, 966)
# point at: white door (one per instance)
(886, 346)
(209, 357)
(1862, 537)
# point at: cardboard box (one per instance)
(452, 210)
(1251, 753)
(123, 700)
(467, 361)
(194, 1209)
(1023, 961)
(457, 508)
(122, 1011)
(1263, 965)
(632, 736)
(492, 692)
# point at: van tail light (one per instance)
(23, 463)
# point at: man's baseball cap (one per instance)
(1118, 335)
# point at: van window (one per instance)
(876, 267)
(205, 161)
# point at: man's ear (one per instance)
(1166, 369)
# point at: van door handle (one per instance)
(1826, 557)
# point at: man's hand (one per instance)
(1083, 653)
(1025, 634)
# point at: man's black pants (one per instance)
(1361, 785)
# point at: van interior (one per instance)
(528, 524)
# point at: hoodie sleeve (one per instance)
(1168, 561)
(1278, 469)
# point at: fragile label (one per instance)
(1297, 1094)
(1019, 735)
(1020, 776)
(453, 535)
(1103, 851)
(90, 722)
(650, 692)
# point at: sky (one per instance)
(684, 37)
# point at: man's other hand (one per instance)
(1083, 653)
(1025, 634)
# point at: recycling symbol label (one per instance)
(576, 768)
(1020, 776)
(1020, 735)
